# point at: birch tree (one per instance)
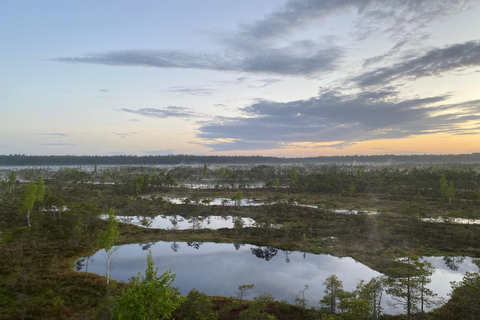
(106, 239)
(28, 200)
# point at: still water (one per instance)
(219, 268)
(180, 223)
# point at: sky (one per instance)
(294, 78)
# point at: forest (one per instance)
(182, 159)
(57, 214)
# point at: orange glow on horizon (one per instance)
(438, 143)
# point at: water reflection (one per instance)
(175, 246)
(266, 253)
(181, 223)
(238, 245)
(219, 268)
(194, 244)
(146, 246)
(453, 263)
(451, 220)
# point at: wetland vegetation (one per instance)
(378, 215)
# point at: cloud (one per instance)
(387, 15)
(285, 61)
(104, 90)
(124, 134)
(265, 83)
(168, 112)
(197, 91)
(56, 134)
(337, 117)
(57, 144)
(433, 63)
(252, 49)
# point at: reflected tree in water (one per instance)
(196, 222)
(175, 246)
(147, 245)
(84, 263)
(266, 253)
(80, 264)
(238, 245)
(174, 220)
(453, 263)
(194, 244)
(207, 220)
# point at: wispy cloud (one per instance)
(168, 112)
(397, 18)
(433, 63)
(285, 61)
(123, 135)
(196, 91)
(262, 83)
(104, 90)
(55, 134)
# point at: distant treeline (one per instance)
(24, 160)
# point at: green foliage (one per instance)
(40, 191)
(300, 300)
(252, 313)
(372, 293)
(257, 309)
(238, 223)
(406, 283)
(197, 306)
(293, 176)
(12, 179)
(149, 296)
(450, 192)
(443, 185)
(276, 183)
(29, 197)
(32, 193)
(447, 189)
(355, 308)
(237, 198)
(243, 291)
(465, 298)
(351, 188)
(106, 239)
(333, 293)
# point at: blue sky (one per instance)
(284, 78)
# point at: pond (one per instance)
(251, 202)
(180, 223)
(221, 186)
(219, 268)
(451, 220)
(216, 201)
